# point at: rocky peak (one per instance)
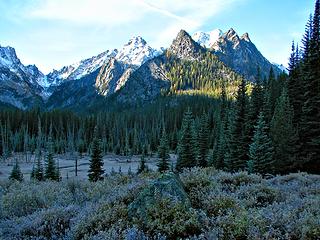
(136, 52)
(232, 36)
(8, 56)
(184, 47)
(135, 41)
(246, 37)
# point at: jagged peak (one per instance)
(231, 32)
(8, 52)
(183, 46)
(182, 37)
(183, 34)
(136, 40)
(246, 37)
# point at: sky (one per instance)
(55, 33)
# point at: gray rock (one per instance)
(167, 186)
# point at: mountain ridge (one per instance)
(108, 72)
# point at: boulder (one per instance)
(168, 186)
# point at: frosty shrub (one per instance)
(223, 206)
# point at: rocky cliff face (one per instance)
(240, 54)
(20, 86)
(184, 47)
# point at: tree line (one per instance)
(271, 126)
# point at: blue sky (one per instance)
(55, 33)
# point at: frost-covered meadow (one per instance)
(67, 164)
(219, 205)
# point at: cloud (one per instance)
(190, 14)
(76, 29)
(111, 12)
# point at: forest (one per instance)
(270, 126)
(234, 159)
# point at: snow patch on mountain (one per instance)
(81, 68)
(207, 39)
(136, 52)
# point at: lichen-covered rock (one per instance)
(168, 186)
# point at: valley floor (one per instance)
(67, 164)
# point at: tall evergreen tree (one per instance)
(310, 123)
(96, 171)
(187, 150)
(237, 155)
(255, 106)
(163, 153)
(283, 134)
(51, 169)
(261, 149)
(16, 173)
(142, 165)
(203, 141)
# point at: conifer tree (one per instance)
(51, 170)
(203, 141)
(261, 149)
(237, 142)
(142, 166)
(16, 173)
(283, 134)
(310, 124)
(96, 171)
(187, 149)
(163, 153)
(38, 173)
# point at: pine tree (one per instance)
(237, 142)
(142, 166)
(261, 149)
(255, 105)
(203, 141)
(38, 173)
(283, 134)
(51, 170)
(163, 153)
(310, 124)
(96, 171)
(187, 150)
(16, 173)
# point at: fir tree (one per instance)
(203, 141)
(187, 148)
(96, 171)
(51, 170)
(142, 166)
(261, 149)
(310, 124)
(163, 153)
(283, 133)
(238, 145)
(16, 173)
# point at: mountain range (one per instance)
(137, 73)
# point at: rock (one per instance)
(168, 186)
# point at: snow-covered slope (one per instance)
(207, 39)
(136, 52)
(80, 69)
